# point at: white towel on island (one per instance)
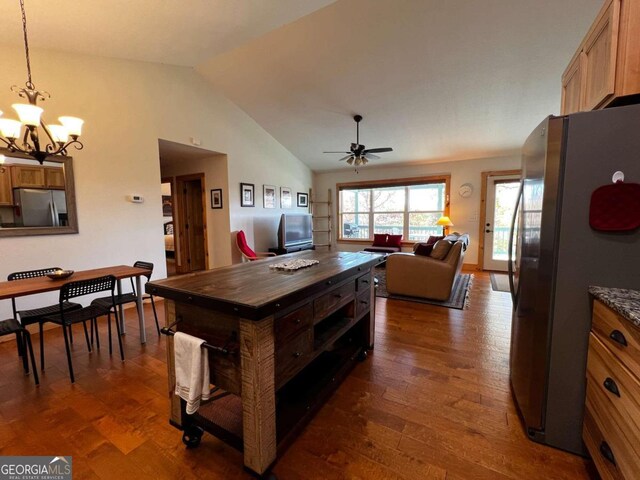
(192, 370)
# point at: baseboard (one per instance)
(470, 267)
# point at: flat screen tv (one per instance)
(295, 229)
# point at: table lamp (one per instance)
(445, 222)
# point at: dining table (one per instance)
(32, 286)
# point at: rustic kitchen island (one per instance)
(279, 344)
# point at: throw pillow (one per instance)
(433, 239)
(424, 249)
(394, 241)
(441, 249)
(380, 239)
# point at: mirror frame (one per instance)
(69, 188)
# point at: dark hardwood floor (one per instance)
(432, 401)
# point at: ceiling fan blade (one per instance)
(338, 152)
(378, 150)
(344, 158)
(371, 156)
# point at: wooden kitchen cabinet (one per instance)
(54, 177)
(606, 66)
(25, 176)
(6, 194)
(611, 429)
(572, 85)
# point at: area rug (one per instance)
(458, 299)
(500, 282)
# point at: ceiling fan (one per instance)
(359, 155)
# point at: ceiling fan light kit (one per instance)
(359, 155)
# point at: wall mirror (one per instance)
(36, 199)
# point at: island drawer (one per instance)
(363, 303)
(619, 391)
(619, 335)
(289, 325)
(330, 302)
(364, 282)
(293, 356)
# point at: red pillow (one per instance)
(394, 241)
(424, 249)
(380, 239)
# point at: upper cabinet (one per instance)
(6, 195)
(26, 176)
(54, 178)
(23, 176)
(607, 64)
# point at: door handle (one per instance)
(488, 231)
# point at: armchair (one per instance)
(247, 252)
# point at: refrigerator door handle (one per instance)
(512, 289)
(54, 214)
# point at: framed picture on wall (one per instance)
(167, 208)
(247, 195)
(286, 197)
(303, 199)
(216, 198)
(269, 194)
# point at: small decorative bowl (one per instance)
(60, 274)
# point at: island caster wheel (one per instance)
(362, 356)
(192, 436)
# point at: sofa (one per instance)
(424, 276)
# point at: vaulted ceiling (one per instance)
(434, 79)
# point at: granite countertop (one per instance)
(625, 302)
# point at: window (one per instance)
(410, 207)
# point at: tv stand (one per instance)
(293, 249)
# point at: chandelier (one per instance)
(37, 139)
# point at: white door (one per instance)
(502, 195)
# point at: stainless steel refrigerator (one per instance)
(39, 208)
(554, 258)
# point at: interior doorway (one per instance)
(499, 196)
(168, 201)
(191, 228)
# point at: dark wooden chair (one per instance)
(12, 326)
(35, 315)
(92, 312)
(132, 297)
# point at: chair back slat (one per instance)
(31, 273)
(146, 266)
(27, 274)
(80, 288)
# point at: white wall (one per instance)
(464, 212)
(127, 107)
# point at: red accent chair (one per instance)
(247, 252)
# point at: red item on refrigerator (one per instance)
(615, 207)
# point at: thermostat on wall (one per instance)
(135, 198)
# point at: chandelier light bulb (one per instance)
(59, 133)
(73, 125)
(28, 114)
(10, 128)
(2, 159)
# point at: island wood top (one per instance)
(31, 286)
(253, 290)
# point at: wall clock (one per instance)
(465, 190)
